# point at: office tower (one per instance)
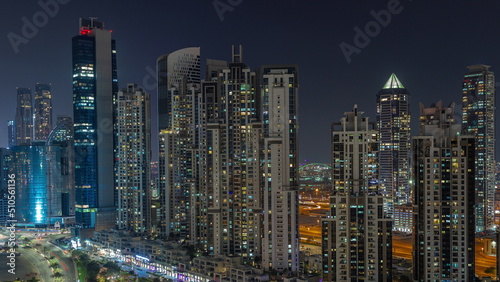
(444, 170)
(393, 121)
(5, 166)
(133, 160)
(356, 233)
(43, 111)
(62, 136)
(38, 183)
(24, 117)
(175, 72)
(280, 243)
(11, 130)
(94, 84)
(478, 120)
(234, 143)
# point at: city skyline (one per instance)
(387, 52)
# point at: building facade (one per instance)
(178, 87)
(357, 242)
(94, 84)
(24, 117)
(11, 131)
(132, 160)
(393, 121)
(43, 111)
(280, 244)
(478, 120)
(5, 170)
(443, 207)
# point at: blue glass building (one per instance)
(94, 84)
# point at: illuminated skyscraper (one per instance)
(43, 111)
(11, 129)
(24, 117)
(62, 136)
(234, 144)
(357, 242)
(393, 121)
(94, 84)
(478, 120)
(132, 160)
(178, 88)
(443, 206)
(5, 170)
(280, 243)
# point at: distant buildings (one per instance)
(94, 83)
(478, 120)
(393, 119)
(444, 226)
(133, 160)
(356, 233)
(24, 117)
(5, 165)
(43, 111)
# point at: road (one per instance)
(68, 267)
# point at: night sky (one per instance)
(428, 44)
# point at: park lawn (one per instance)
(82, 271)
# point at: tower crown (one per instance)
(393, 83)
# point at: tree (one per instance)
(112, 268)
(93, 268)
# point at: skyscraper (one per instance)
(178, 72)
(62, 136)
(132, 160)
(280, 243)
(356, 233)
(174, 70)
(234, 143)
(94, 84)
(24, 117)
(443, 207)
(393, 121)
(478, 120)
(43, 111)
(11, 129)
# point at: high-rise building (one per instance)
(280, 243)
(39, 183)
(178, 74)
(234, 144)
(43, 111)
(62, 136)
(175, 69)
(443, 206)
(11, 130)
(393, 121)
(478, 120)
(133, 160)
(24, 117)
(357, 242)
(94, 84)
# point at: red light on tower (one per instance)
(85, 31)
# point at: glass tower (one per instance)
(94, 84)
(478, 120)
(43, 111)
(24, 117)
(393, 121)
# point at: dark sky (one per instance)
(428, 44)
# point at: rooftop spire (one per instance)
(393, 83)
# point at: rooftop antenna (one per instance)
(92, 20)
